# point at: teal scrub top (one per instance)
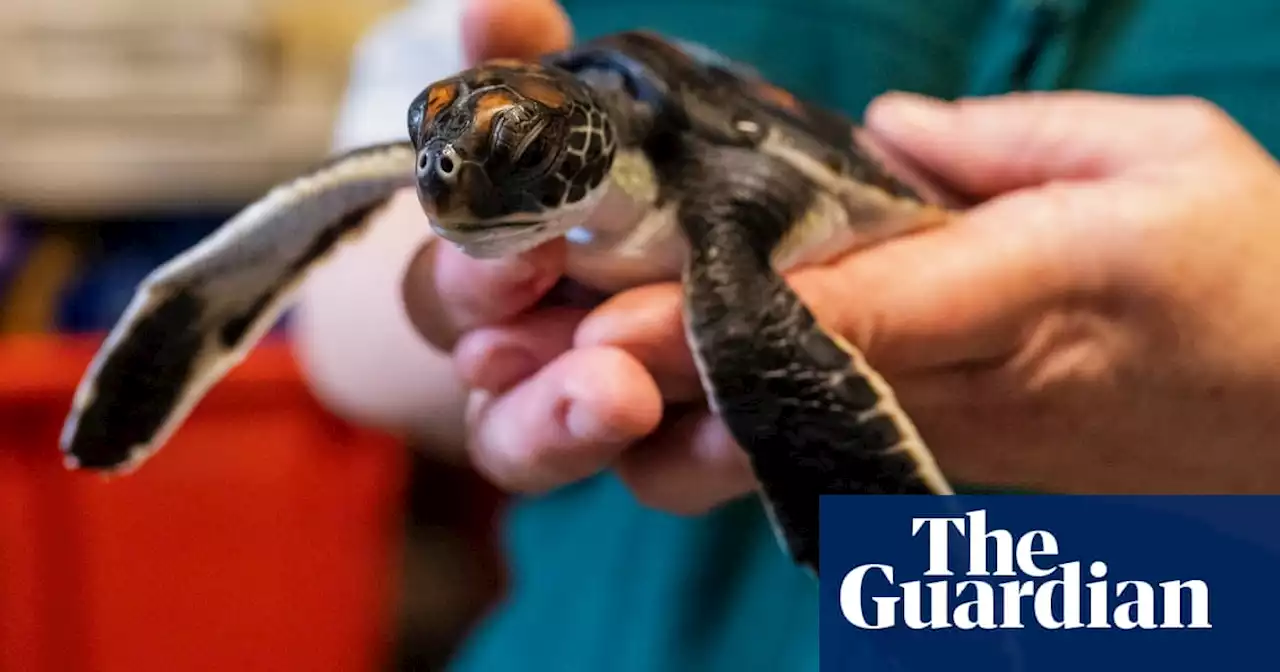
(597, 582)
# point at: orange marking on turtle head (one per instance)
(488, 104)
(541, 90)
(499, 71)
(505, 63)
(780, 97)
(441, 96)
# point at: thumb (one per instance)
(987, 146)
(513, 28)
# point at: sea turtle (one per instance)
(658, 159)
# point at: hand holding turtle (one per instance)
(1103, 323)
(1080, 331)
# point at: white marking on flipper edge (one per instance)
(779, 535)
(373, 174)
(888, 405)
(699, 363)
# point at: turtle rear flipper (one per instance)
(197, 316)
(812, 415)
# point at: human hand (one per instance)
(1108, 327)
(1089, 328)
(1101, 323)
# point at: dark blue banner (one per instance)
(1049, 583)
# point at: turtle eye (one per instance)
(533, 152)
(539, 147)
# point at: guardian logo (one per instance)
(1047, 583)
(1007, 580)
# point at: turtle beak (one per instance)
(449, 188)
(428, 205)
(440, 188)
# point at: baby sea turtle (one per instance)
(657, 159)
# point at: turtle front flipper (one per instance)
(810, 413)
(194, 318)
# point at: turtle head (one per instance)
(509, 155)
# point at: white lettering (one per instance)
(978, 537)
(1014, 591)
(912, 605)
(1098, 596)
(851, 599)
(1173, 604)
(1027, 552)
(1070, 585)
(1058, 603)
(980, 612)
(938, 561)
(1146, 616)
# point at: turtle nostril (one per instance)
(438, 165)
(447, 165)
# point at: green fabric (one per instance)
(600, 583)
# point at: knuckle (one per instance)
(1202, 119)
(1069, 351)
(1197, 107)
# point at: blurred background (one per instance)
(128, 130)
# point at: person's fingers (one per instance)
(447, 292)
(494, 359)
(953, 294)
(567, 422)
(988, 146)
(687, 467)
(647, 323)
(513, 28)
